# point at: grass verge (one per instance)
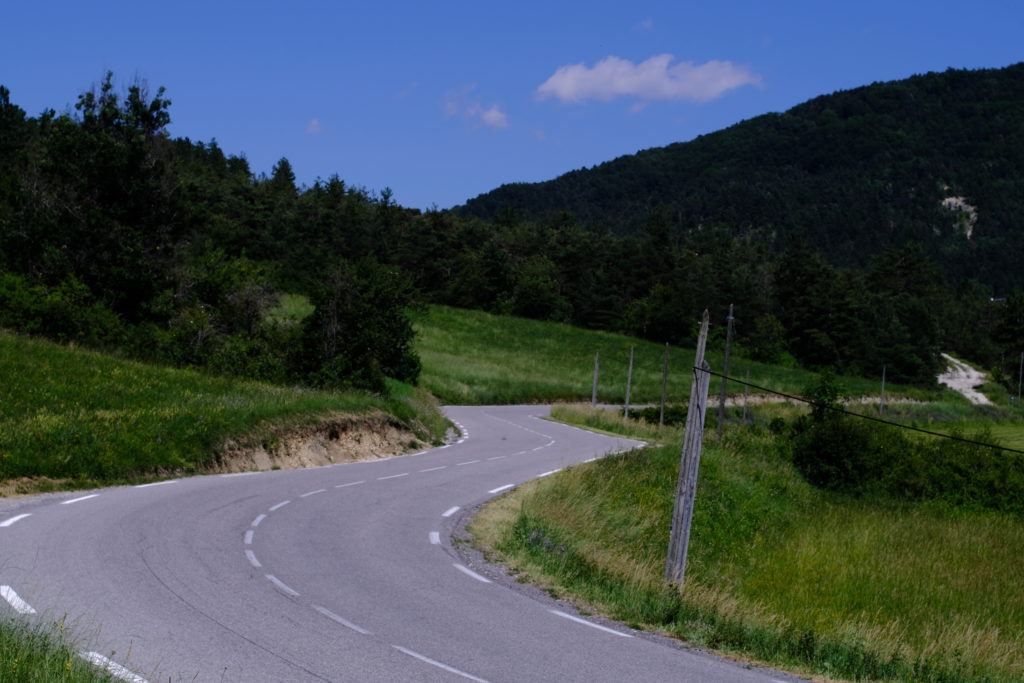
(35, 654)
(779, 571)
(72, 419)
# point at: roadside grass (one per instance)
(471, 357)
(71, 418)
(37, 654)
(779, 571)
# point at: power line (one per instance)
(863, 417)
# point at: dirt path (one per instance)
(960, 376)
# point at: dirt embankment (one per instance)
(342, 438)
(961, 377)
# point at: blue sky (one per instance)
(441, 101)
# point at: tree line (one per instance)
(117, 235)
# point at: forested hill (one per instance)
(937, 159)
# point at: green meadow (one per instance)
(81, 418)
(779, 572)
(476, 358)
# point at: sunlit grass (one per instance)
(36, 654)
(470, 357)
(84, 417)
(779, 571)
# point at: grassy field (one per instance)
(779, 571)
(84, 418)
(470, 357)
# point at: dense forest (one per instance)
(116, 235)
(936, 159)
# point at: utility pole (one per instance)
(664, 386)
(881, 402)
(1020, 374)
(686, 487)
(597, 371)
(725, 374)
(629, 382)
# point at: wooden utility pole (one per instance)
(664, 386)
(881, 402)
(686, 488)
(629, 382)
(597, 371)
(725, 374)
(1020, 374)
(746, 391)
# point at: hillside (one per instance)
(936, 158)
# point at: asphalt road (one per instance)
(343, 573)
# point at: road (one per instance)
(343, 573)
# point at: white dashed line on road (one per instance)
(497, 457)
(275, 508)
(111, 667)
(469, 572)
(156, 483)
(450, 511)
(12, 520)
(435, 538)
(312, 493)
(434, 662)
(252, 559)
(393, 476)
(80, 499)
(501, 488)
(19, 605)
(341, 620)
(468, 462)
(547, 473)
(282, 586)
(248, 536)
(589, 623)
(259, 518)
(435, 469)
(351, 483)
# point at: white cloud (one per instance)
(654, 79)
(645, 25)
(314, 127)
(460, 103)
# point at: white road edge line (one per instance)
(501, 488)
(351, 483)
(19, 605)
(439, 665)
(111, 667)
(156, 483)
(280, 505)
(80, 499)
(435, 538)
(12, 520)
(447, 513)
(590, 460)
(344, 622)
(549, 472)
(312, 493)
(239, 474)
(469, 572)
(393, 476)
(588, 623)
(282, 586)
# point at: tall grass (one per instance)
(470, 357)
(36, 654)
(779, 571)
(86, 417)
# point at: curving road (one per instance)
(344, 573)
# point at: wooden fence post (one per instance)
(664, 386)
(725, 374)
(597, 371)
